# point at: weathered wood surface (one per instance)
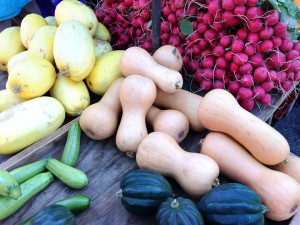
(104, 165)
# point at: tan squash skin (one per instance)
(169, 121)
(137, 60)
(100, 120)
(194, 172)
(183, 101)
(291, 167)
(168, 56)
(219, 111)
(137, 94)
(278, 191)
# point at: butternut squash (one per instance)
(183, 101)
(137, 94)
(195, 173)
(169, 121)
(291, 167)
(219, 111)
(137, 60)
(168, 56)
(100, 120)
(278, 191)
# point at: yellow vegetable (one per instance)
(74, 96)
(74, 51)
(102, 33)
(16, 59)
(105, 72)
(101, 47)
(51, 20)
(42, 43)
(8, 99)
(28, 122)
(10, 45)
(73, 9)
(32, 77)
(29, 25)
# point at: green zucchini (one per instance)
(77, 203)
(9, 186)
(23, 173)
(29, 188)
(69, 175)
(72, 146)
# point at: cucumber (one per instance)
(29, 188)
(23, 173)
(77, 203)
(69, 175)
(72, 146)
(9, 186)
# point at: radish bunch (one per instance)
(235, 45)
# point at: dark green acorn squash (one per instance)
(142, 191)
(54, 215)
(232, 204)
(180, 211)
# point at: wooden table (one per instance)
(104, 165)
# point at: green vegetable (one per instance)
(72, 146)
(29, 188)
(178, 211)
(23, 173)
(142, 191)
(77, 203)
(9, 186)
(69, 175)
(54, 214)
(236, 203)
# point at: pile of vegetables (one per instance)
(248, 47)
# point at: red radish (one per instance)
(237, 46)
(296, 46)
(165, 37)
(242, 34)
(233, 87)
(219, 74)
(205, 85)
(210, 34)
(166, 11)
(252, 2)
(253, 38)
(255, 25)
(247, 105)
(236, 77)
(294, 66)
(165, 26)
(208, 62)
(266, 46)
(207, 74)
(179, 13)
(260, 74)
(198, 76)
(240, 2)
(280, 29)
(266, 99)
(214, 6)
(221, 63)
(217, 84)
(277, 42)
(286, 85)
(230, 19)
(208, 18)
(192, 10)
(247, 80)
(266, 33)
(233, 67)
(246, 68)
(271, 17)
(286, 45)
(228, 55)
(267, 85)
(249, 49)
(203, 44)
(172, 19)
(281, 76)
(256, 60)
(193, 65)
(292, 54)
(179, 3)
(254, 12)
(272, 75)
(174, 41)
(276, 59)
(240, 58)
(219, 51)
(226, 41)
(258, 92)
(201, 28)
(228, 4)
(240, 10)
(244, 94)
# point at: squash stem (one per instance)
(265, 209)
(130, 154)
(284, 162)
(174, 204)
(178, 85)
(216, 182)
(119, 193)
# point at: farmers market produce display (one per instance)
(98, 68)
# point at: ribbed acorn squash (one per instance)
(142, 191)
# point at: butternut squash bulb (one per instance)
(31, 78)
(74, 96)
(73, 50)
(10, 45)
